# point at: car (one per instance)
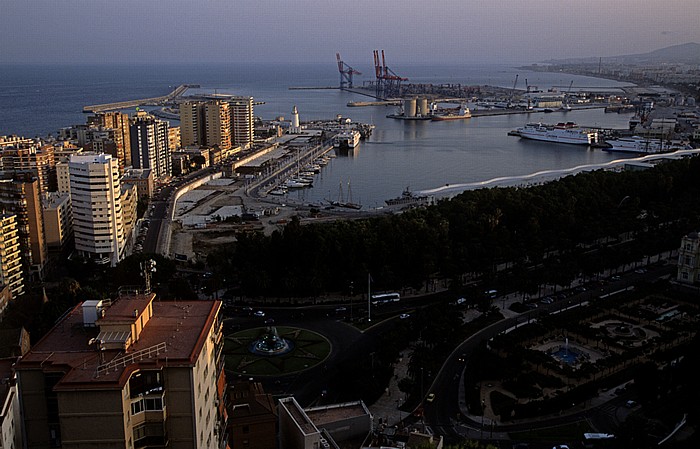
(630, 404)
(270, 321)
(463, 357)
(561, 446)
(259, 313)
(461, 300)
(615, 278)
(547, 300)
(403, 316)
(430, 397)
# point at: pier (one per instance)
(179, 91)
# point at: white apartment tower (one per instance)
(97, 210)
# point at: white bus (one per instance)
(385, 298)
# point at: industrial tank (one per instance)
(422, 107)
(409, 107)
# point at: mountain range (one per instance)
(688, 53)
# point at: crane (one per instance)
(388, 82)
(346, 73)
(565, 106)
(512, 93)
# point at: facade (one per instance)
(191, 120)
(142, 178)
(139, 373)
(174, 137)
(149, 145)
(58, 220)
(95, 193)
(242, 121)
(689, 259)
(10, 420)
(217, 119)
(119, 122)
(130, 200)
(252, 417)
(20, 195)
(33, 159)
(10, 256)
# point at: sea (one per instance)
(419, 155)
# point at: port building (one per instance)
(131, 373)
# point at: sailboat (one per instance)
(341, 203)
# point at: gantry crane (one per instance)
(346, 73)
(388, 82)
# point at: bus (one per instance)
(385, 298)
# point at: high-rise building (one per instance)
(58, 220)
(149, 145)
(173, 138)
(20, 195)
(34, 159)
(192, 130)
(10, 257)
(122, 137)
(97, 210)
(217, 118)
(242, 121)
(133, 374)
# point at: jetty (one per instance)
(155, 101)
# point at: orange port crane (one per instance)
(388, 82)
(346, 73)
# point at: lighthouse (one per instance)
(295, 128)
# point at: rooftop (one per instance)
(179, 327)
(336, 412)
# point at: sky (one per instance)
(312, 31)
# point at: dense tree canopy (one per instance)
(567, 224)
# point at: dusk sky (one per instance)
(418, 32)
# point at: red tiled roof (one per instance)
(182, 326)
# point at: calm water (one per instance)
(36, 100)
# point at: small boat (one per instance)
(278, 192)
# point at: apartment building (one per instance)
(95, 192)
(10, 256)
(58, 221)
(149, 145)
(133, 373)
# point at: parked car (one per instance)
(430, 398)
(259, 313)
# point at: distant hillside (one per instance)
(684, 53)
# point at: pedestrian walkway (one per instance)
(387, 406)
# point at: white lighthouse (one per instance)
(295, 127)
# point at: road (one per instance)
(440, 415)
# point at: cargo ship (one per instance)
(455, 114)
(568, 132)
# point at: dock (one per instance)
(177, 92)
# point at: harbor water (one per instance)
(420, 155)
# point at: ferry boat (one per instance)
(408, 198)
(568, 132)
(347, 139)
(456, 114)
(636, 144)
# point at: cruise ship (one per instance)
(348, 139)
(568, 132)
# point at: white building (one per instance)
(242, 121)
(97, 208)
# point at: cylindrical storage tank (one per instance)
(423, 106)
(409, 107)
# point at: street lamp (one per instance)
(483, 412)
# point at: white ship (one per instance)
(348, 139)
(641, 145)
(568, 132)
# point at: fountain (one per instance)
(271, 344)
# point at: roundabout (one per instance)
(274, 351)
